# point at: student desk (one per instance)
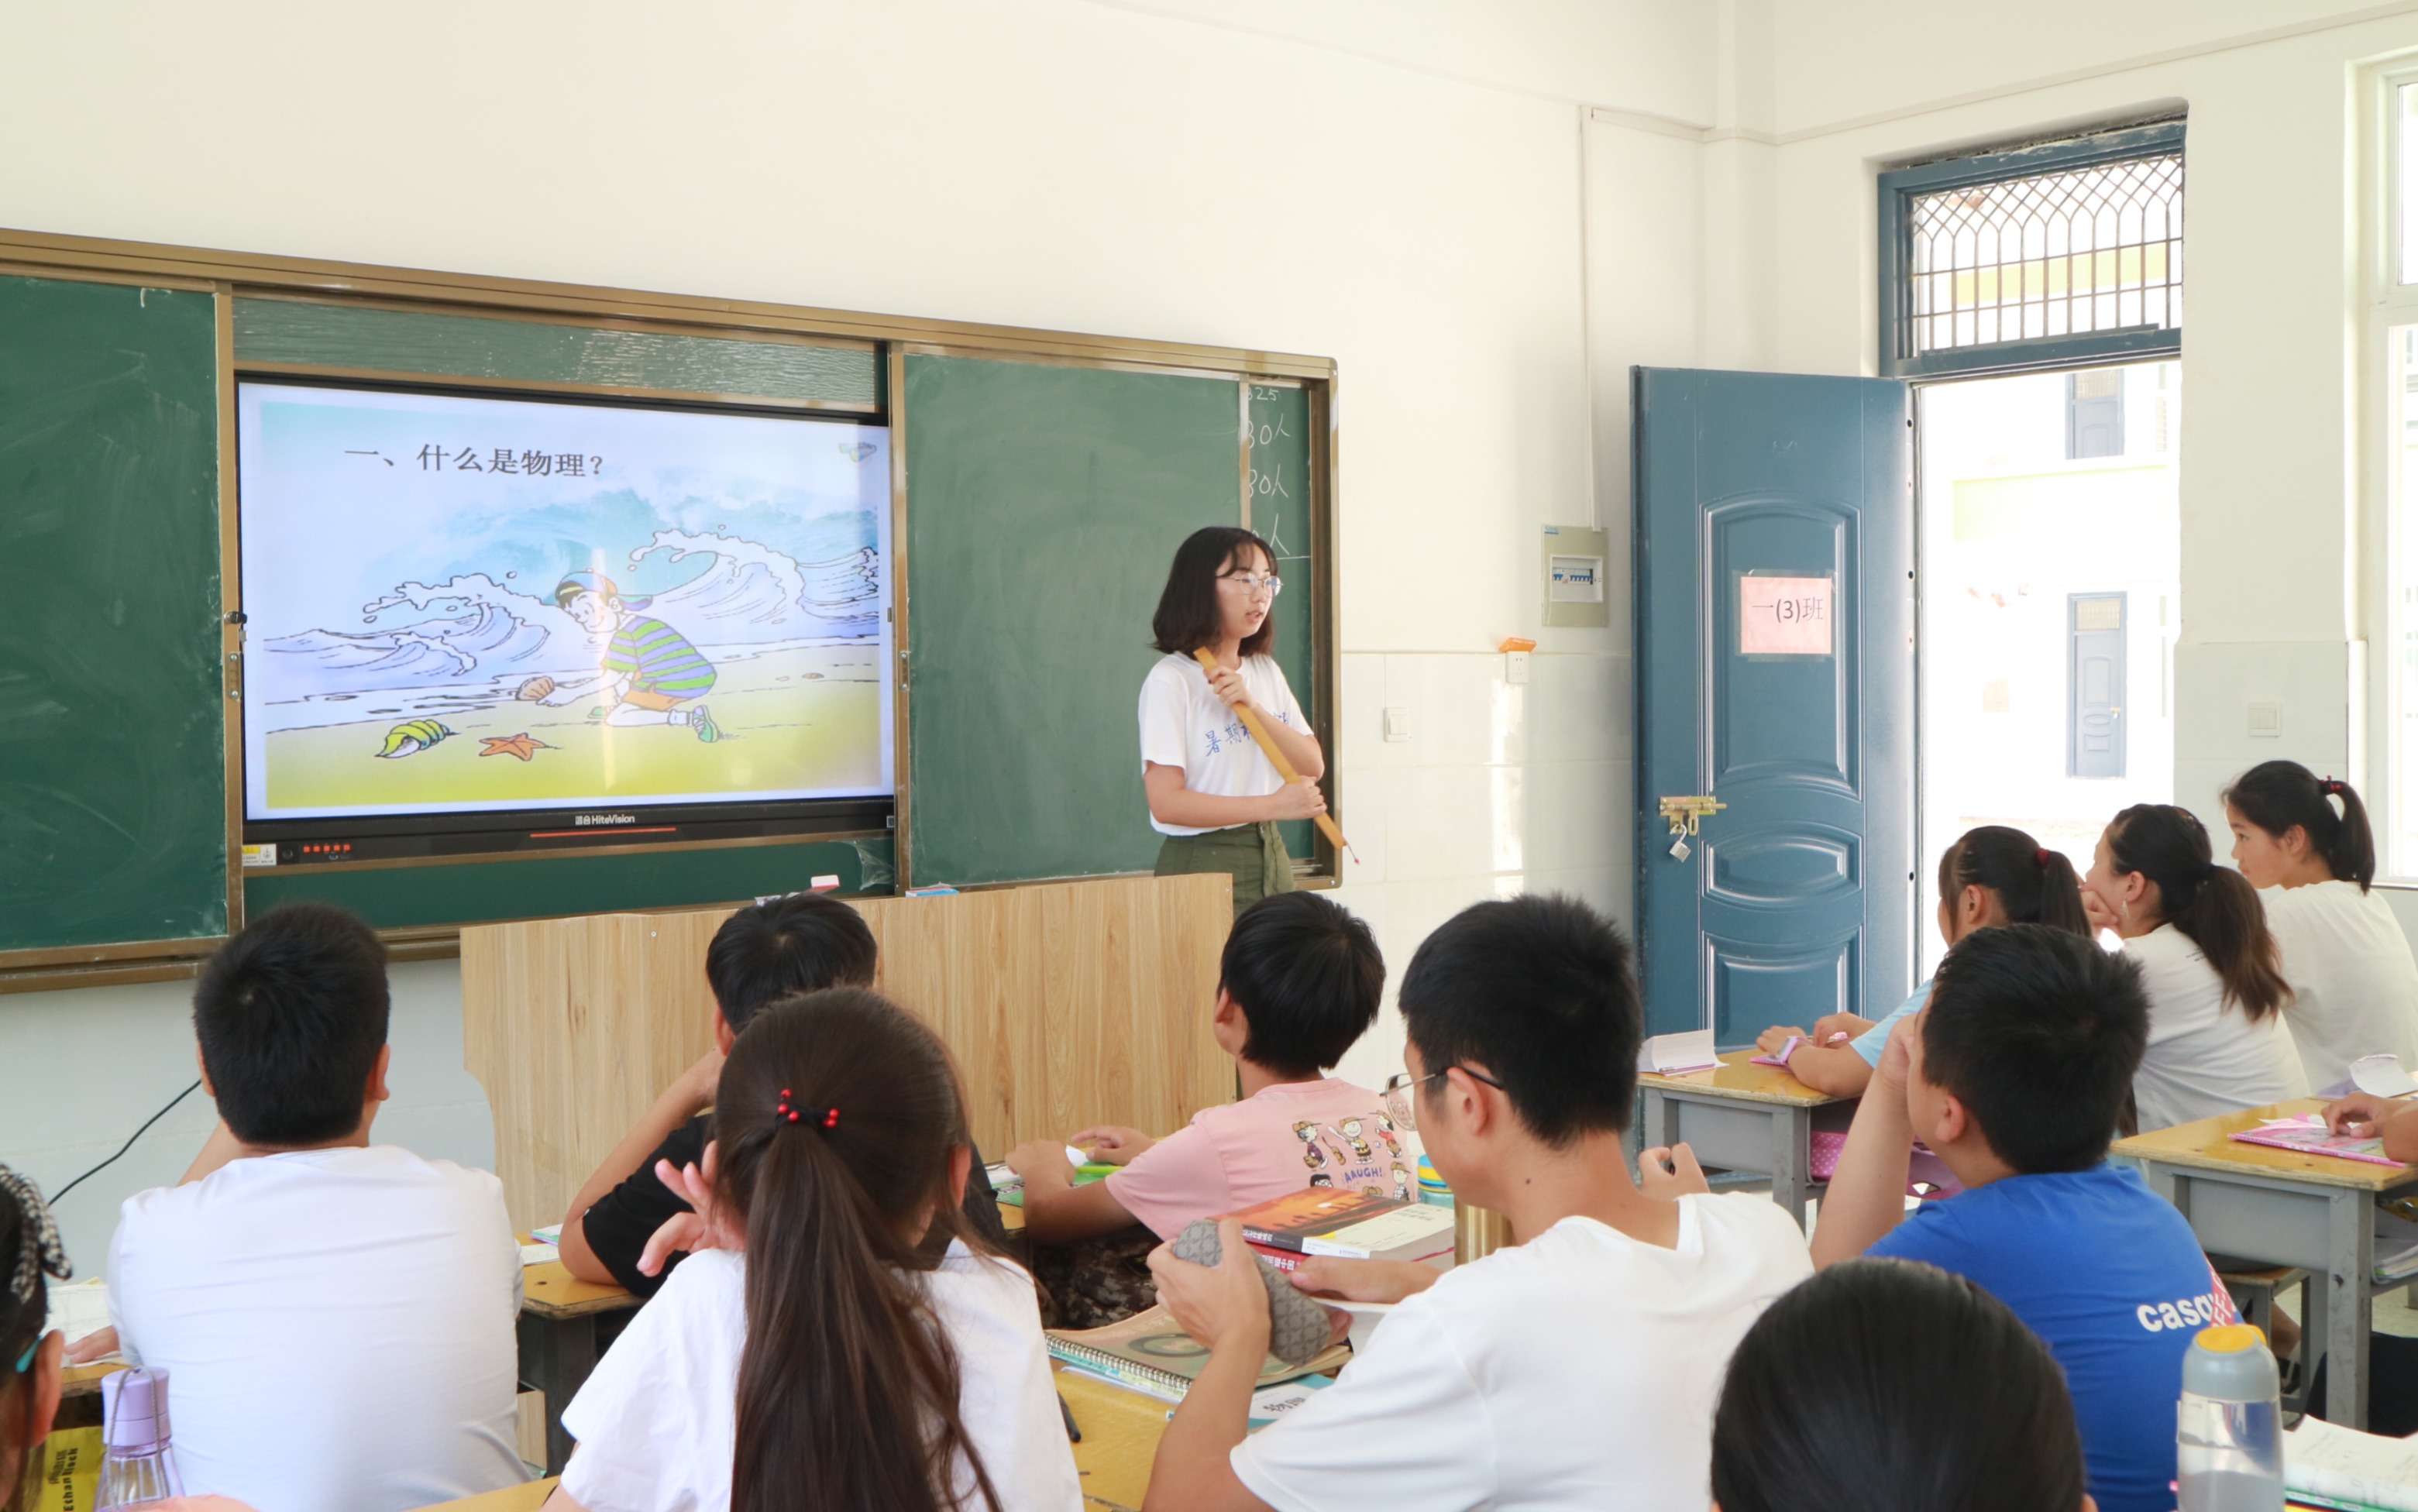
(565, 1323)
(2280, 1208)
(1738, 1115)
(1120, 1433)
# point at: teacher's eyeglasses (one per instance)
(1251, 583)
(1403, 1108)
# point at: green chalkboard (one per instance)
(112, 767)
(1044, 505)
(1280, 512)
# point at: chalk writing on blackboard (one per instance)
(1784, 616)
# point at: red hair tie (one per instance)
(828, 1121)
(2332, 788)
(2040, 858)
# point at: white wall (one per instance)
(1398, 186)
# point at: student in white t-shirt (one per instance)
(838, 1336)
(2217, 1041)
(1575, 1369)
(336, 1318)
(2354, 985)
(1212, 791)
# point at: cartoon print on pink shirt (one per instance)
(1311, 1155)
(1386, 1132)
(1351, 1131)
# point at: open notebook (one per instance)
(1150, 1352)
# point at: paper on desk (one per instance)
(540, 1254)
(1670, 1054)
(79, 1309)
(2380, 1076)
(2345, 1464)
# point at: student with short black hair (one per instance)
(1299, 983)
(1881, 1386)
(1577, 1368)
(2217, 1037)
(2354, 985)
(2015, 1075)
(372, 1295)
(803, 942)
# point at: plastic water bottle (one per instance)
(139, 1468)
(2228, 1428)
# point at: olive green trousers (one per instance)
(1252, 854)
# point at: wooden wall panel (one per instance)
(1064, 1003)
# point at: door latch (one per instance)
(1683, 812)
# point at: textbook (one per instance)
(1151, 1354)
(2338, 1466)
(2306, 1134)
(1349, 1225)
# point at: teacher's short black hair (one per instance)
(1189, 616)
(1309, 978)
(291, 1014)
(2037, 1032)
(801, 944)
(1537, 993)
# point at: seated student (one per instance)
(814, 1349)
(2354, 985)
(788, 945)
(2015, 1074)
(1300, 981)
(1993, 875)
(2217, 1040)
(1886, 1386)
(370, 1295)
(1575, 1369)
(30, 1360)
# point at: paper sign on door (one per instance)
(1784, 616)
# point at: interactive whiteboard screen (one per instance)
(459, 605)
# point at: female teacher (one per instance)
(1212, 793)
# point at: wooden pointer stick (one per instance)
(1208, 660)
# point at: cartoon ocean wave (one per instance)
(473, 631)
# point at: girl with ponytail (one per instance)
(2217, 1041)
(1995, 875)
(837, 1338)
(2354, 985)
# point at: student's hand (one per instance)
(1362, 1280)
(1224, 1307)
(1298, 799)
(2101, 913)
(2361, 1113)
(1042, 1158)
(1112, 1144)
(705, 1226)
(1228, 685)
(93, 1347)
(1888, 1077)
(701, 1081)
(1668, 1172)
(1771, 1039)
(1830, 1028)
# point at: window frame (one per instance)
(2098, 348)
(2385, 305)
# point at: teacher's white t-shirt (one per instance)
(658, 1422)
(2354, 985)
(2205, 1056)
(1577, 1369)
(1185, 724)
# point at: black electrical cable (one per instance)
(155, 1118)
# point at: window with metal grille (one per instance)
(2066, 252)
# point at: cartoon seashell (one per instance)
(534, 688)
(411, 736)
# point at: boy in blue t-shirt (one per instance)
(2015, 1074)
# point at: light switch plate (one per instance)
(1397, 724)
(2267, 721)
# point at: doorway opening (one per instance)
(2048, 547)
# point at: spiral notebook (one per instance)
(1151, 1353)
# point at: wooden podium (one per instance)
(1065, 1003)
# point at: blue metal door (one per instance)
(1775, 677)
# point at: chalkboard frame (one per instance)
(232, 275)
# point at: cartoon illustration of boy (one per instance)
(1401, 1183)
(650, 668)
(1321, 1179)
(1386, 1132)
(1311, 1155)
(1351, 1131)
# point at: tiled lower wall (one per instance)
(1499, 789)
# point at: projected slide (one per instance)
(460, 604)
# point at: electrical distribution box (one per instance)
(1575, 592)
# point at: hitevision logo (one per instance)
(585, 821)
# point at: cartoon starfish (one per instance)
(522, 745)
